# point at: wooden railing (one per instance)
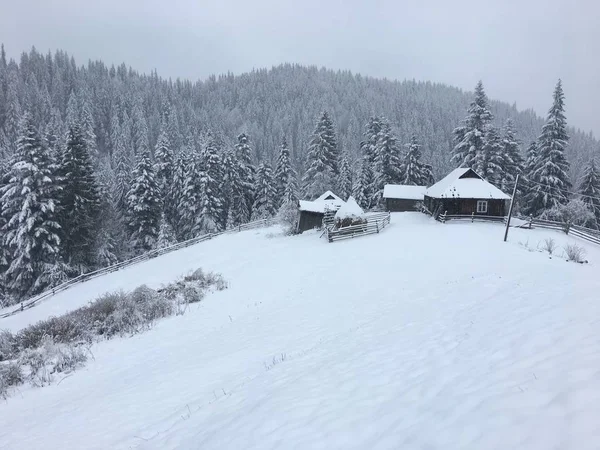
(31, 302)
(374, 224)
(469, 217)
(575, 230)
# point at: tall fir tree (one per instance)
(490, 162)
(265, 205)
(469, 138)
(514, 163)
(211, 214)
(414, 171)
(122, 170)
(233, 197)
(550, 176)
(344, 188)
(322, 157)
(87, 127)
(30, 232)
(144, 205)
(183, 174)
(163, 155)
(283, 171)
(247, 175)
(362, 189)
(388, 164)
(589, 188)
(79, 201)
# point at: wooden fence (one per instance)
(375, 223)
(31, 302)
(574, 230)
(445, 217)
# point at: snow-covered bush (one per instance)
(575, 253)
(575, 212)
(11, 374)
(51, 358)
(7, 345)
(289, 215)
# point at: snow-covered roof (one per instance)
(326, 201)
(329, 196)
(349, 209)
(465, 183)
(404, 191)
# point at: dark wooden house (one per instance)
(313, 212)
(400, 197)
(464, 192)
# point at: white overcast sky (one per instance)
(518, 48)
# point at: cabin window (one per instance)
(482, 206)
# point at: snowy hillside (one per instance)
(424, 336)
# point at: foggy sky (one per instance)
(518, 48)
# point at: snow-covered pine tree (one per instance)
(289, 213)
(265, 204)
(490, 162)
(30, 230)
(234, 200)
(79, 201)
(388, 164)
(362, 190)
(122, 169)
(512, 156)
(184, 174)
(283, 171)
(589, 188)
(163, 168)
(112, 242)
(551, 171)
(414, 172)
(322, 157)
(144, 205)
(166, 235)
(247, 175)
(139, 129)
(72, 113)
(87, 127)
(13, 107)
(344, 188)
(469, 138)
(211, 216)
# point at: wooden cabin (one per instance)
(464, 192)
(401, 197)
(313, 212)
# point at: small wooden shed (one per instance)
(402, 197)
(313, 212)
(464, 192)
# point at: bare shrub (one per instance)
(549, 245)
(11, 375)
(575, 253)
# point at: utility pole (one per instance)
(512, 202)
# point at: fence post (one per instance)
(444, 217)
(377, 225)
(568, 227)
(530, 220)
(472, 216)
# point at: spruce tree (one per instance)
(184, 172)
(321, 159)
(362, 190)
(589, 188)
(265, 204)
(87, 127)
(344, 188)
(551, 171)
(490, 162)
(512, 157)
(30, 232)
(80, 201)
(415, 172)
(469, 138)
(234, 196)
(247, 175)
(144, 205)
(164, 170)
(283, 171)
(122, 169)
(211, 214)
(388, 165)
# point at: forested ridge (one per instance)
(98, 163)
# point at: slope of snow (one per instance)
(423, 336)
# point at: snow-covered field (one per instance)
(426, 336)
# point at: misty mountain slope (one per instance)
(267, 104)
(423, 336)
